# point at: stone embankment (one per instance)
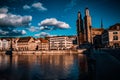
(46, 52)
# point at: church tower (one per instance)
(87, 25)
(80, 30)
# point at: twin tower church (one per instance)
(85, 32)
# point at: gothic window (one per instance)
(115, 37)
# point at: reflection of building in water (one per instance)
(68, 61)
(4, 61)
(83, 64)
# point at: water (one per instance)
(43, 67)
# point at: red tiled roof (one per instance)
(43, 40)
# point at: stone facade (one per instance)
(88, 26)
(80, 30)
(85, 32)
(111, 37)
(26, 43)
(42, 44)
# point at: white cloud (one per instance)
(3, 32)
(2, 15)
(54, 22)
(26, 7)
(12, 32)
(4, 10)
(9, 22)
(19, 32)
(23, 32)
(14, 20)
(39, 6)
(41, 28)
(33, 29)
(42, 34)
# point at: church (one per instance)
(85, 31)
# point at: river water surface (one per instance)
(43, 67)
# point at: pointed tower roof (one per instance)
(79, 15)
(101, 24)
(87, 12)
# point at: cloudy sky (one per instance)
(53, 17)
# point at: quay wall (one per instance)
(46, 52)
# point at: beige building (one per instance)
(42, 44)
(14, 43)
(26, 43)
(96, 32)
(111, 37)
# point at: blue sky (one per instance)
(39, 18)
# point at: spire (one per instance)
(101, 23)
(87, 12)
(79, 15)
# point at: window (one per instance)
(118, 27)
(115, 37)
(115, 32)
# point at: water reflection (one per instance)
(42, 67)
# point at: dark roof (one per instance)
(98, 29)
(105, 31)
(115, 27)
(8, 39)
(24, 39)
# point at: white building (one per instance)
(5, 44)
(60, 42)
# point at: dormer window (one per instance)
(118, 27)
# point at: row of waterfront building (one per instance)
(30, 43)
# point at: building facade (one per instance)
(111, 38)
(60, 43)
(5, 43)
(26, 43)
(42, 44)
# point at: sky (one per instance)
(39, 18)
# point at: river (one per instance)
(43, 67)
